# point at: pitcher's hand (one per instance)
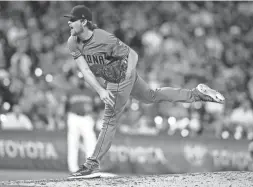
(106, 96)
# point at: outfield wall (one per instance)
(129, 153)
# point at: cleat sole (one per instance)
(204, 89)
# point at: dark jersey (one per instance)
(77, 98)
(101, 48)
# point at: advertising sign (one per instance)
(139, 154)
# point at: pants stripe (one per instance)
(109, 120)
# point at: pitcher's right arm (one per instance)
(87, 73)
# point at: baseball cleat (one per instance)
(203, 93)
(85, 173)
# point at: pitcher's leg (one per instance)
(111, 117)
(144, 93)
(106, 135)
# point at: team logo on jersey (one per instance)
(95, 58)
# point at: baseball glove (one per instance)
(113, 72)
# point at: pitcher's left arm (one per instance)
(120, 50)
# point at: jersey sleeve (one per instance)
(117, 49)
(72, 45)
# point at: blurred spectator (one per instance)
(16, 88)
(243, 115)
(195, 125)
(16, 120)
(20, 62)
(18, 26)
(5, 51)
(39, 121)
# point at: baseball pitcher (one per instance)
(100, 54)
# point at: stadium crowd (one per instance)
(181, 44)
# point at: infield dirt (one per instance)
(216, 179)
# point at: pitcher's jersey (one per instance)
(101, 48)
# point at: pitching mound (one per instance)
(217, 179)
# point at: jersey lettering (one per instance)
(102, 48)
(89, 59)
(95, 59)
(101, 59)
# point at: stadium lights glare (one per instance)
(49, 78)
(7, 106)
(3, 117)
(183, 123)
(184, 133)
(194, 124)
(158, 120)
(38, 72)
(225, 135)
(172, 120)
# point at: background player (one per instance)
(80, 121)
(94, 50)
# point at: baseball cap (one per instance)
(80, 12)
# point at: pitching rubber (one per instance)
(91, 176)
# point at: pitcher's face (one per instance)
(75, 27)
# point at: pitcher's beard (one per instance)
(76, 33)
(73, 33)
